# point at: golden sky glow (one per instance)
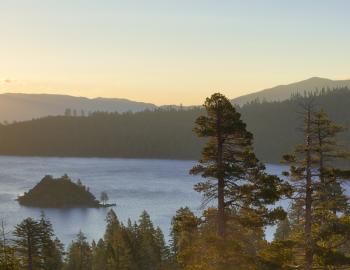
(169, 52)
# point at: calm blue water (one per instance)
(158, 186)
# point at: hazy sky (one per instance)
(164, 52)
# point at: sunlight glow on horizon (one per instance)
(169, 52)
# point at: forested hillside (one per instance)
(283, 92)
(163, 133)
(148, 134)
(275, 125)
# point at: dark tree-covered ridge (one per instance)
(58, 193)
(165, 133)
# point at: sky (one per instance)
(169, 52)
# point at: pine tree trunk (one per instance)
(321, 170)
(30, 255)
(221, 182)
(4, 245)
(308, 197)
(321, 163)
(221, 208)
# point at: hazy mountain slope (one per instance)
(18, 107)
(283, 92)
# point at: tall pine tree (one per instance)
(51, 249)
(79, 255)
(320, 207)
(235, 177)
(28, 243)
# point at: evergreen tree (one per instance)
(321, 205)
(99, 256)
(79, 255)
(331, 208)
(8, 260)
(279, 255)
(148, 251)
(199, 246)
(132, 241)
(301, 172)
(184, 230)
(119, 254)
(329, 192)
(104, 197)
(162, 250)
(283, 230)
(236, 179)
(28, 243)
(51, 248)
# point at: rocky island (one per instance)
(60, 193)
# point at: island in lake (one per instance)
(60, 193)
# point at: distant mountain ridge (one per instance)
(20, 107)
(284, 92)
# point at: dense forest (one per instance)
(148, 134)
(164, 133)
(313, 233)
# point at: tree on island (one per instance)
(104, 197)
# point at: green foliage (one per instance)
(36, 246)
(233, 174)
(320, 211)
(184, 230)
(58, 193)
(135, 246)
(118, 251)
(51, 248)
(278, 255)
(28, 243)
(283, 230)
(79, 255)
(99, 256)
(197, 245)
(8, 258)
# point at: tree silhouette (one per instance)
(104, 197)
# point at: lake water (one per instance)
(158, 186)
